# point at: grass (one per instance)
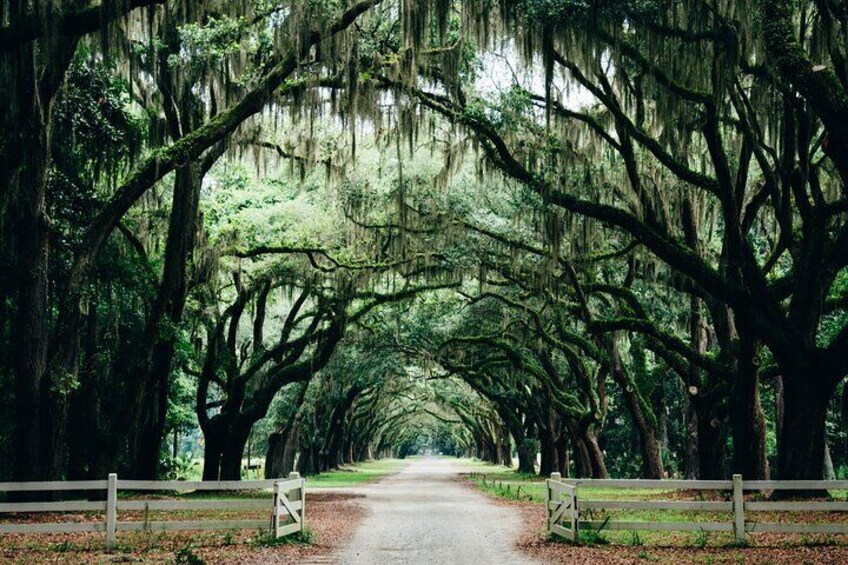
(352, 475)
(345, 476)
(267, 539)
(506, 483)
(185, 556)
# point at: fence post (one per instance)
(575, 516)
(293, 476)
(555, 477)
(275, 512)
(111, 510)
(738, 510)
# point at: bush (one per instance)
(185, 556)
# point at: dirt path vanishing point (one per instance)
(423, 515)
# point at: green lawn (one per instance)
(352, 475)
(505, 482)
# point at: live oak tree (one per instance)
(732, 134)
(38, 44)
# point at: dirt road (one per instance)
(422, 515)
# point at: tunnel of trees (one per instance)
(555, 232)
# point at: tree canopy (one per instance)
(565, 230)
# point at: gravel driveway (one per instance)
(422, 515)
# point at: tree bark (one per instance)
(692, 469)
(746, 417)
(582, 463)
(547, 447)
(649, 444)
(596, 456)
(562, 451)
(223, 450)
(527, 456)
(801, 450)
(829, 471)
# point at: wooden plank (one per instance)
(59, 528)
(161, 505)
(302, 500)
(561, 531)
(293, 505)
(795, 485)
(560, 488)
(707, 506)
(738, 510)
(52, 485)
(111, 511)
(651, 484)
(288, 529)
(659, 526)
(293, 494)
(194, 485)
(64, 506)
(290, 484)
(196, 525)
(797, 506)
(797, 528)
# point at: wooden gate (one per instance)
(289, 505)
(562, 508)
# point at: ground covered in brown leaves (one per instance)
(680, 548)
(331, 519)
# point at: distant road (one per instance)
(423, 516)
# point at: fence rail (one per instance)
(566, 508)
(286, 506)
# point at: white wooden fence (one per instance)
(566, 508)
(286, 506)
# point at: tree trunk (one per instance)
(274, 455)
(28, 252)
(306, 465)
(562, 452)
(778, 409)
(691, 465)
(649, 444)
(596, 456)
(746, 415)
(213, 445)
(504, 446)
(231, 456)
(526, 456)
(225, 442)
(156, 362)
(712, 447)
(801, 450)
(279, 459)
(290, 452)
(547, 447)
(582, 462)
(829, 471)
(39, 396)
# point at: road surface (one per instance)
(423, 515)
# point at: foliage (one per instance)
(185, 556)
(533, 227)
(268, 539)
